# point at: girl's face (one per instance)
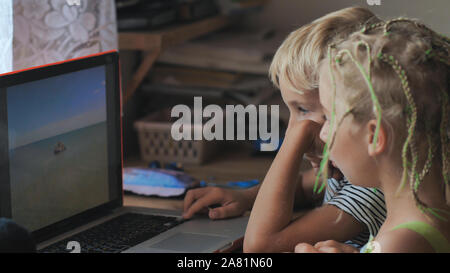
(349, 151)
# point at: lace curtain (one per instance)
(47, 31)
(6, 30)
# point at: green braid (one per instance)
(411, 121)
(369, 57)
(414, 176)
(397, 20)
(411, 112)
(366, 28)
(427, 166)
(326, 150)
(368, 79)
(438, 39)
(441, 37)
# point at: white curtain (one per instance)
(6, 34)
(47, 31)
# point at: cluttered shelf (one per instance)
(193, 58)
(152, 43)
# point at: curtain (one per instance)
(47, 31)
(6, 34)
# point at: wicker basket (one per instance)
(156, 142)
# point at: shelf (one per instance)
(171, 35)
(153, 42)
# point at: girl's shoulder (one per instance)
(413, 237)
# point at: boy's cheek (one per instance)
(323, 134)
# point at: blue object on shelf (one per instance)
(174, 166)
(232, 184)
(154, 164)
(158, 182)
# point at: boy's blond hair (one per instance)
(297, 59)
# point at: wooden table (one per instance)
(152, 43)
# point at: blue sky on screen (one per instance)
(42, 109)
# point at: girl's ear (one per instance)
(381, 141)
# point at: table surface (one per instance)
(229, 166)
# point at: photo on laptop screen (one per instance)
(57, 132)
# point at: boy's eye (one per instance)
(303, 110)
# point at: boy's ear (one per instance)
(381, 141)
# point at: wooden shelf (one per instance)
(171, 35)
(152, 43)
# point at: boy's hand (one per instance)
(329, 246)
(233, 202)
(315, 153)
(308, 131)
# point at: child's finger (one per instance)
(329, 249)
(226, 211)
(199, 204)
(305, 248)
(326, 244)
(191, 196)
(331, 245)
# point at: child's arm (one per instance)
(270, 228)
(235, 202)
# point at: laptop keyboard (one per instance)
(117, 234)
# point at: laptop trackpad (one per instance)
(190, 242)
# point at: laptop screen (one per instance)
(58, 150)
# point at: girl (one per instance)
(385, 93)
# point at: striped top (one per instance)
(366, 205)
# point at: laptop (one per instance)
(61, 167)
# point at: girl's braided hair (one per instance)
(404, 83)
